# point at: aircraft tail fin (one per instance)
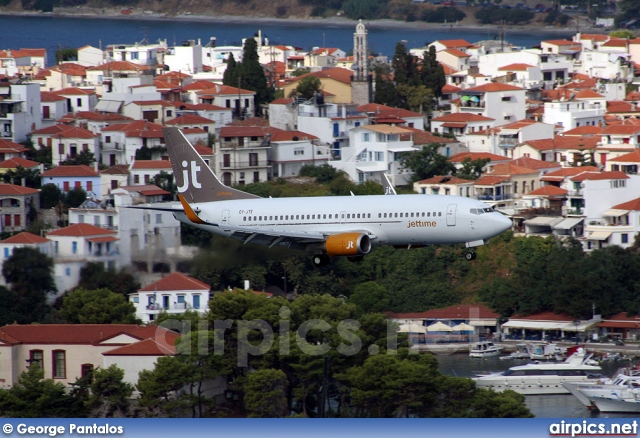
(195, 180)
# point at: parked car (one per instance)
(539, 6)
(449, 3)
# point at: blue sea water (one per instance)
(53, 32)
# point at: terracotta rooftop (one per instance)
(176, 281)
(71, 170)
(25, 238)
(81, 230)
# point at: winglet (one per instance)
(191, 215)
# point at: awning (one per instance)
(568, 223)
(373, 166)
(403, 149)
(614, 212)
(543, 221)
(536, 325)
(599, 235)
(108, 106)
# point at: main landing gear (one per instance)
(470, 255)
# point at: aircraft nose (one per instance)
(503, 224)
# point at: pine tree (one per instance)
(253, 77)
(232, 72)
(432, 72)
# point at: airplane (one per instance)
(333, 226)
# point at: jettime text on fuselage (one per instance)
(422, 224)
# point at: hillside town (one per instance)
(557, 127)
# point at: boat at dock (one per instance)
(484, 349)
(521, 352)
(625, 379)
(543, 377)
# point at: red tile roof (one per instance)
(632, 157)
(546, 316)
(74, 91)
(458, 311)
(25, 238)
(14, 163)
(629, 205)
(203, 150)
(336, 73)
(549, 191)
(457, 53)
(445, 180)
(121, 66)
(595, 176)
(174, 282)
(462, 117)
(148, 347)
(150, 164)
(509, 169)
(80, 230)
(459, 158)
(137, 128)
(190, 119)
(65, 131)
(8, 146)
(454, 43)
(516, 67)
(584, 130)
(490, 180)
(587, 93)
(494, 87)
(61, 333)
(621, 130)
(11, 189)
(532, 163)
(570, 171)
(71, 170)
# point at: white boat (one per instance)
(546, 351)
(484, 349)
(521, 352)
(542, 378)
(619, 401)
(625, 379)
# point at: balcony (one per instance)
(507, 142)
(490, 197)
(171, 308)
(113, 147)
(246, 164)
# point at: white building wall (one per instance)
(599, 196)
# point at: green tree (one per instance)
(30, 275)
(266, 394)
(385, 90)
(427, 162)
(323, 173)
(110, 394)
(472, 169)
(67, 54)
(416, 98)
(308, 87)
(232, 72)
(35, 397)
(622, 33)
(75, 197)
(93, 275)
(85, 157)
(166, 182)
(432, 73)
(252, 74)
(50, 196)
(30, 177)
(370, 297)
(100, 306)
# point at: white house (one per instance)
(66, 142)
(173, 294)
(15, 205)
(375, 150)
(502, 102)
(78, 244)
(74, 177)
(143, 171)
(67, 352)
(20, 110)
(121, 141)
(290, 150)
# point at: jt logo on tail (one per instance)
(185, 176)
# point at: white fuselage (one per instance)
(389, 220)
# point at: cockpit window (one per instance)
(479, 211)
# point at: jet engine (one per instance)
(347, 244)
